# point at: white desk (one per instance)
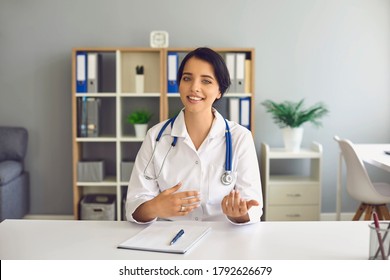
(370, 153)
(66, 240)
(374, 154)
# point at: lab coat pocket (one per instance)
(216, 190)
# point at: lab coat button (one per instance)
(196, 162)
(196, 218)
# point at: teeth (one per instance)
(195, 98)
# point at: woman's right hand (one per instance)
(168, 203)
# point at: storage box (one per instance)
(126, 169)
(98, 207)
(90, 171)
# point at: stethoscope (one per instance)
(227, 176)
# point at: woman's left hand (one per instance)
(236, 208)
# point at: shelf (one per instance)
(293, 180)
(134, 94)
(99, 94)
(281, 153)
(131, 139)
(95, 139)
(109, 181)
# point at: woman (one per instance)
(179, 177)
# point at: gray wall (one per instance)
(335, 51)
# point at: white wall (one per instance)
(335, 51)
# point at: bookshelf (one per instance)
(116, 96)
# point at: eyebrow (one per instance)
(203, 76)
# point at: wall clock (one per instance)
(159, 39)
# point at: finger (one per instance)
(185, 210)
(251, 203)
(190, 201)
(237, 200)
(173, 189)
(188, 194)
(242, 208)
(224, 204)
(234, 200)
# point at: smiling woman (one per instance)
(178, 172)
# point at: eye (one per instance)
(207, 82)
(186, 78)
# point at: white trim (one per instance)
(333, 216)
(48, 217)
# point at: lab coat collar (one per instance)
(217, 129)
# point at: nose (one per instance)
(195, 86)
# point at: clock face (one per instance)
(159, 39)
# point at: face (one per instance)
(199, 87)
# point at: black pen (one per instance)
(177, 236)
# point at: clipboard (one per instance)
(157, 237)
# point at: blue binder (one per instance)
(173, 66)
(81, 72)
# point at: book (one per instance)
(158, 236)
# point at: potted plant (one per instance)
(140, 119)
(290, 116)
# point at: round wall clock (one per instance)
(159, 39)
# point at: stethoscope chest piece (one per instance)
(227, 178)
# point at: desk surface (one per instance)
(66, 240)
(374, 154)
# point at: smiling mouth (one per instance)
(194, 98)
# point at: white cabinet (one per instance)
(291, 183)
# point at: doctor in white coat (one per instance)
(182, 175)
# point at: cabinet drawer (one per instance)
(294, 195)
(293, 213)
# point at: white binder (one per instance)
(231, 65)
(93, 68)
(245, 112)
(234, 109)
(240, 72)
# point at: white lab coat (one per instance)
(198, 170)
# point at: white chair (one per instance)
(373, 196)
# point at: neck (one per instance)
(198, 126)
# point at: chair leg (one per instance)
(384, 211)
(369, 211)
(379, 211)
(359, 212)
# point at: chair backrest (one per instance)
(359, 185)
(13, 143)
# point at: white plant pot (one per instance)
(140, 130)
(139, 83)
(292, 138)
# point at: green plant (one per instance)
(293, 114)
(139, 117)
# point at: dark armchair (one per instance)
(14, 180)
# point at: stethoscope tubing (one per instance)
(228, 153)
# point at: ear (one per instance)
(219, 95)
